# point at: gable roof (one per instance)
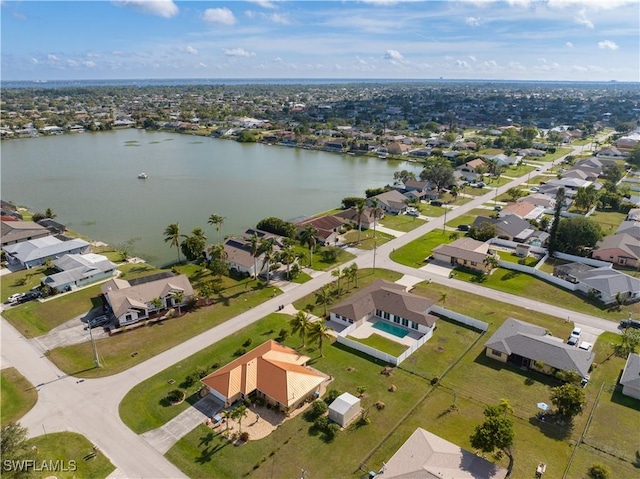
(123, 296)
(13, 231)
(533, 342)
(351, 214)
(343, 403)
(631, 373)
(623, 242)
(75, 267)
(464, 248)
(276, 370)
(511, 225)
(608, 280)
(389, 297)
(392, 199)
(630, 227)
(239, 252)
(427, 456)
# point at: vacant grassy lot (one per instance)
(415, 253)
(366, 238)
(401, 222)
(18, 396)
(383, 344)
(608, 220)
(69, 446)
(319, 262)
(132, 347)
(529, 286)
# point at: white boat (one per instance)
(143, 176)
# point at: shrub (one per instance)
(435, 381)
(599, 471)
(380, 405)
(247, 343)
(175, 395)
(331, 431)
(244, 437)
(321, 423)
(282, 335)
(318, 408)
(200, 372)
(247, 402)
(331, 395)
(240, 352)
(387, 371)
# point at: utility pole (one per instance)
(444, 224)
(96, 361)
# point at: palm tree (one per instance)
(254, 242)
(490, 261)
(266, 249)
(338, 273)
(48, 213)
(377, 212)
(172, 236)
(288, 256)
(217, 254)
(217, 220)
(353, 273)
(300, 325)
(443, 298)
(308, 237)
(454, 192)
(319, 332)
(239, 413)
(178, 297)
(323, 297)
(361, 207)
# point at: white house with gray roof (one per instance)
(36, 252)
(630, 380)
(77, 270)
(527, 345)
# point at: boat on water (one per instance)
(143, 176)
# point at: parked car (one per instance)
(97, 321)
(572, 341)
(464, 227)
(630, 323)
(34, 294)
(480, 184)
(576, 332)
(585, 345)
(15, 297)
(497, 208)
(585, 381)
(413, 212)
(436, 203)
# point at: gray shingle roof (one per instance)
(631, 373)
(532, 342)
(609, 280)
(45, 247)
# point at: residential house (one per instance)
(16, 231)
(239, 258)
(585, 175)
(387, 301)
(399, 149)
(273, 372)
(622, 249)
(35, 252)
(538, 199)
(630, 380)
(344, 409)
(605, 283)
(573, 183)
(465, 252)
(352, 217)
(531, 152)
(427, 456)
(335, 145)
(632, 228)
(626, 143)
(524, 210)
(612, 152)
(392, 202)
(134, 300)
(77, 270)
(593, 164)
(513, 228)
(469, 171)
(327, 227)
(633, 214)
(527, 345)
(54, 227)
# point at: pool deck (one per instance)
(367, 329)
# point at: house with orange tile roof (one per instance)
(273, 372)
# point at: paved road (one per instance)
(90, 407)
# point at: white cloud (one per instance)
(490, 64)
(568, 45)
(472, 21)
(237, 52)
(89, 64)
(263, 3)
(582, 19)
(223, 16)
(393, 55)
(278, 18)
(161, 8)
(607, 45)
(462, 64)
(35, 61)
(190, 50)
(52, 58)
(591, 4)
(472, 58)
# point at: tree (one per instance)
(568, 399)
(613, 174)
(308, 238)
(218, 221)
(483, 232)
(553, 234)
(172, 236)
(338, 273)
(319, 332)
(496, 432)
(178, 298)
(351, 273)
(48, 213)
(361, 207)
(14, 447)
(301, 325)
(206, 291)
(586, 197)
(454, 191)
(323, 297)
(239, 413)
(490, 261)
(351, 201)
(440, 173)
(403, 176)
(515, 193)
(634, 156)
(266, 249)
(193, 246)
(254, 243)
(218, 260)
(575, 235)
(599, 471)
(376, 212)
(288, 256)
(629, 343)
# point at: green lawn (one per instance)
(512, 258)
(401, 222)
(608, 220)
(67, 447)
(415, 253)
(383, 344)
(430, 210)
(366, 276)
(529, 286)
(468, 218)
(319, 263)
(366, 238)
(18, 396)
(551, 263)
(301, 278)
(132, 347)
(22, 281)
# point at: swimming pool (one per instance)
(391, 329)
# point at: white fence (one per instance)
(540, 274)
(580, 259)
(512, 244)
(460, 318)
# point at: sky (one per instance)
(572, 40)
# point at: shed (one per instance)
(344, 409)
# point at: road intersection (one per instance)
(90, 407)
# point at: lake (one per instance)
(90, 181)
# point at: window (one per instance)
(396, 319)
(379, 313)
(405, 322)
(414, 325)
(386, 315)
